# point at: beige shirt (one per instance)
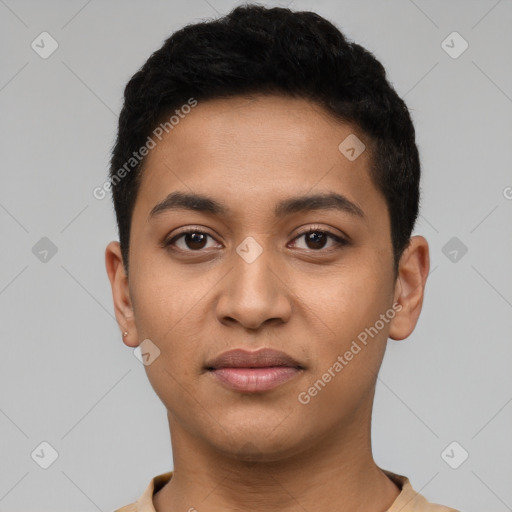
(407, 501)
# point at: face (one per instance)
(288, 247)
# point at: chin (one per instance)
(260, 443)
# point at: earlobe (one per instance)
(121, 294)
(410, 287)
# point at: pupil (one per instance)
(316, 238)
(194, 239)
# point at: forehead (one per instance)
(251, 151)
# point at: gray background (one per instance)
(66, 377)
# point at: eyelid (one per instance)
(316, 227)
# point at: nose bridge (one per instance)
(254, 292)
(254, 277)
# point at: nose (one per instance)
(254, 293)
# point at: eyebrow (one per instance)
(204, 204)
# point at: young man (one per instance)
(266, 183)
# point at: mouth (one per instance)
(253, 372)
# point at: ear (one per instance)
(121, 293)
(413, 271)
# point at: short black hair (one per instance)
(260, 50)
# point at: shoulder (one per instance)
(411, 501)
(145, 502)
(128, 508)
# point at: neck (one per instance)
(337, 471)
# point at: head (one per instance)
(237, 130)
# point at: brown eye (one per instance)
(189, 241)
(316, 240)
(195, 240)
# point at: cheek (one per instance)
(165, 313)
(349, 299)
(349, 356)
(350, 306)
(161, 296)
(173, 308)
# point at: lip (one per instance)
(251, 372)
(262, 358)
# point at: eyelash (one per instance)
(339, 241)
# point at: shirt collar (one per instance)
(145, 502)
(408, 496)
